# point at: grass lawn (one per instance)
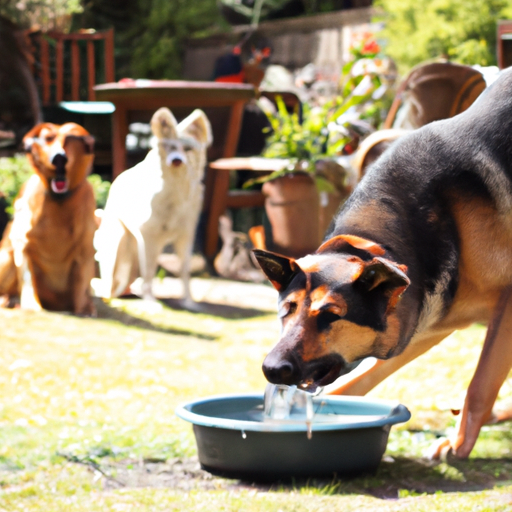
(87, 417)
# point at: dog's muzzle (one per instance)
(59, 184)
(176, 158)
(289, 369)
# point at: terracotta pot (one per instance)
(292, 206)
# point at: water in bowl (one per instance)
(288, 403)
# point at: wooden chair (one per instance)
(434, 91)
(65, 67)
(218, 180)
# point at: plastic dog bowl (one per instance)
(348, 436)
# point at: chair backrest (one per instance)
(67, 66)
(434, 91)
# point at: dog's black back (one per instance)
(413, 186)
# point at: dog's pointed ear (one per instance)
(385, 275)
(340, 242)
(279, 269)
(163, 124)
(197, 126)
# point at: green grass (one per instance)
(87, 418)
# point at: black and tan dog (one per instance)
(47, 253)
(422, 247)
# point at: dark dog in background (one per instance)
(47, 253)
(422, 247)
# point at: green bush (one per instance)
(461, 30)
(101, 189)
(14, 171)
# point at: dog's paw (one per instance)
(151, 305)
(30, 303)
(440, 450)
(444, 450)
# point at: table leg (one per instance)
(119, 132)
(218, 201)
(220, 182)
(233, 133)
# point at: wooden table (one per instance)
(132, 96)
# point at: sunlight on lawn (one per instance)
(100, 388)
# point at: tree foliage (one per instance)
(463, 31)
(43, 14)
(151, 34)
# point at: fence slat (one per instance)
(109, 56)
(75, 71)
(91, 70)
(45, 71)
(59, 71)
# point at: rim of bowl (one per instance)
(396, 413)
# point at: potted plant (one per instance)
(302, 198)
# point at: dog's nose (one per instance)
(281, 371)
(59, 160)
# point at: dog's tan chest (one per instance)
(485, 245)
(485, 263)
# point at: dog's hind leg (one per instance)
(373, 371)
(107, 241)
(492, 370)
(8, 275)
(148, 262)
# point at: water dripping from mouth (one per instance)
(288, 403)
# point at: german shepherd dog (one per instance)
(422, 247)
(47, 253)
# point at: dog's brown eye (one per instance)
(49, 138)
(286, 309)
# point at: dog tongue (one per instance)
(60, 186)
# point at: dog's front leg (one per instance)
(82, 274)
(492, 370)
(28, 296)
(148, 255)
(373, 371)
(184, 247)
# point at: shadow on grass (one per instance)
(222, 310)
(106, 312)
(410, 477)
(401, 478)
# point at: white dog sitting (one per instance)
(153, 204)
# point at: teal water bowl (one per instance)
(348, 436)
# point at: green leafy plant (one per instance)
(101, 188)
(14, 171)
(325, 130)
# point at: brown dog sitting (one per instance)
(46, 253)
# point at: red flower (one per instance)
(370, 46)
